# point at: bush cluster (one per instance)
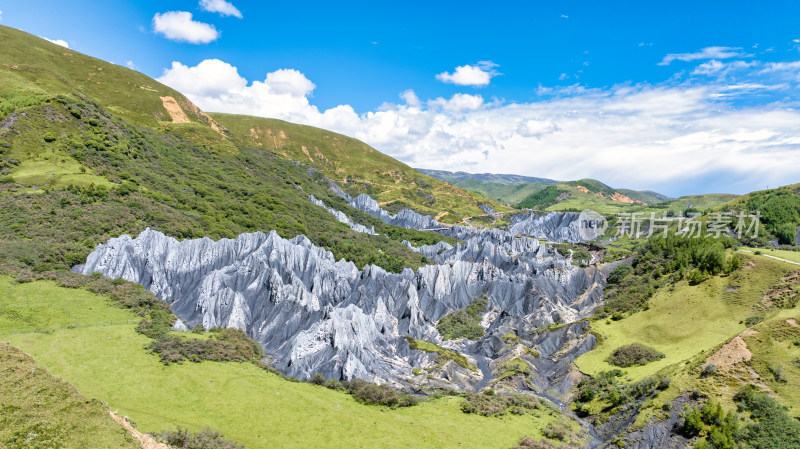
(205, 439)
(499, 405)
(606, 387)
(463, 323)
(633, 354)
(224, 345)
(367, 392)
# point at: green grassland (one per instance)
(42, 411)
(358, 167)
(685, 320)
(247, 404)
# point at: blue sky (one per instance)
(680, 97)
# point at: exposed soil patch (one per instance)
(174, 109)
(731, 353)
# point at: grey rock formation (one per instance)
(313, 314)
(342, 217)
(487, 209)
(554, 226)
(406, 218)
(179, 326)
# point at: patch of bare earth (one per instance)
(174, 109)
(731, 353)
(792, 322)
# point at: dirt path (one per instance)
(147, 441)
(772, 257)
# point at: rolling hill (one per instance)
(525, 191)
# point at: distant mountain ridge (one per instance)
(527, 190)
(450, 177)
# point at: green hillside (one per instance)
(357, 167)
(779, 209)
(81, 162)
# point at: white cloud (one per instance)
(1, 16)
(220, 6)
(179, 26)
(130, 64)
(718, 68)
(60, 42)
(676, 138)
(706, 53)
(479, 74)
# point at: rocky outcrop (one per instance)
(554, 226)
(313, 314)
(342, 217)
(406, 218)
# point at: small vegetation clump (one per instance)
(463, 323)
(514, 367)
(633, 354)
(499, 405)
(205, 439)
(607, 390)
(769, 425)
(224, 345)
(580, 253)
(368, 392)
(445, 355)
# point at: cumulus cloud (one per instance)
(220, 6)
(706, 53)
(60, 42)
(179, 26)
(478, 75)
(677, 138)
(1, 16)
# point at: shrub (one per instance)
(619, 273)
(708, 370)
(225, 345)
(556, 431)
(633, 354)
(373, 394)
(463, 323)
(490, 404)
(205, 439)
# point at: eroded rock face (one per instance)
(406, 218)
(555, 226)
(342, 217)
(313, 314)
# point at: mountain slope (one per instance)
(77, 169)
(357, 167)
